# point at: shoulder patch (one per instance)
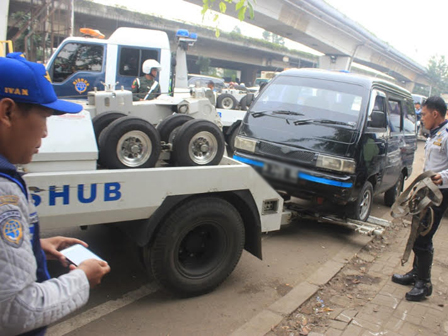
(11, 228)
(9, 199)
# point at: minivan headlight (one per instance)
(332, 163)
(245, 144)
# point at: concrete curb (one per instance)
(270, 317)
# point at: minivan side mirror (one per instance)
(377, 119)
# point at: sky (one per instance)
(413, 27)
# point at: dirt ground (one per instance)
(351, 288)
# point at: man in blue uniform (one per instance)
(436, 160)
(29, 299)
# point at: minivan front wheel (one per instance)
(360, 209)
(391, 195)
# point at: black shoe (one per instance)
(407, 279)
(410, 277)
(423, 286)
(421, 290)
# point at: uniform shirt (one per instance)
(210, 94)
(141, 86)
(29, 300)
(436, 154)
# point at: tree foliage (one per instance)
(273, 38)
(242, 7)
(31, 38)
(437, 71)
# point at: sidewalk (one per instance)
(361, 300)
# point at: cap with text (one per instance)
(29, 82)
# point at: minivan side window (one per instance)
(395, 115)
(75, 57)
(409, 117)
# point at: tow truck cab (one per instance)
(82, 63)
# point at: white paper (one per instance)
(78, 253)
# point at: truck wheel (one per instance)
(392, 194)
(198, 143)
(101, 121)
(129, 142)
(360, 209)
(243, 103)
(169, 126)
(227, 101)
(197, 246)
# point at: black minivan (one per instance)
(334, 138)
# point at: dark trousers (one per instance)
(424, 243)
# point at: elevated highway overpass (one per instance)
(319, 26)
(309, 22)
(230, 51)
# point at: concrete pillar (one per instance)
(334, 62)
(4, 9)
(248, 75)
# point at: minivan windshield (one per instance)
(304, 100)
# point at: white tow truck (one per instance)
(189, 129)
(191, 223)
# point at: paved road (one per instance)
(129, 302)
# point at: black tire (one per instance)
(198, 143)
(130, 134)
(360, 209)
(198, 246)
(243, 103)
(101, 121)
(169, 126)
(226, 101)
(231, 140)
(392, 194)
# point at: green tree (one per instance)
(437, 71)
(204, 66)
(229, 74)
(241, 8)
(34, 39)
(273, 38)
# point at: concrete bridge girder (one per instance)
(319, 26)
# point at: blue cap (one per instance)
(29, 82)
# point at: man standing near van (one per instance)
(418, 114)
(436, 160)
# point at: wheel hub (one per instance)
(203, 148)
(198, 250)
(364, 205)
(134, 148)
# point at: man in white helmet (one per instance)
(146, 87)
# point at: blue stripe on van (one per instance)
(325, 181)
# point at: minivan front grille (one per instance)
(286, 153)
